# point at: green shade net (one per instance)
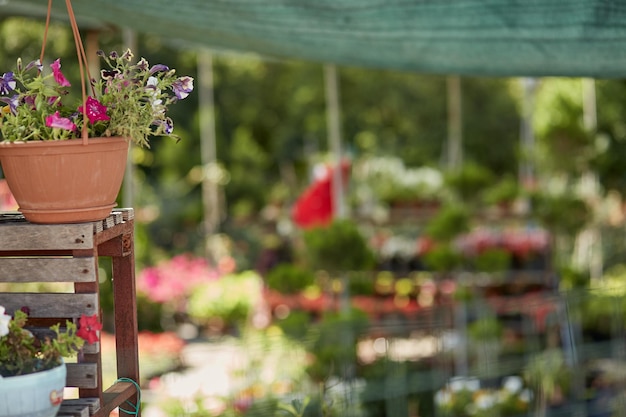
(467, 37)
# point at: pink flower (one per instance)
(96, 111)
(57, 121)
(172, 281)
(58, 75)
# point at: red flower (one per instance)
(88, 327)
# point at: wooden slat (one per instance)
(127, 213)
(115, 396)
(68, 410)
(27, 236)
(52, 305)
(47, 269)
(82, 375)
(93, 404)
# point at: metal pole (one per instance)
(527, 135)
(210, 195)
(590, 179)
(333, 117)
(455, 123)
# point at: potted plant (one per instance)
(32, 370)
(65, 162)
(338, 247)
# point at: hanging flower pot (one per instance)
(54, 175)
(34, 395)
(65, 181)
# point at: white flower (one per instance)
(526, 395)
(485, 400)
(513, 384)
(460, 383)
(443, 397)
(4, 322)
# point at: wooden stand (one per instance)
(32, 253)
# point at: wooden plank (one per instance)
(127, 213)
(67, 410)
(82, 375)
(93, 404)
(51, 304)
(27, 269)
(27, 236)
(115, 396)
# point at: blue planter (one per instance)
(33, 395)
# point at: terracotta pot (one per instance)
(33, 395)
(65, 181)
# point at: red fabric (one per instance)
(315, 207)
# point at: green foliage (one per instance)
(504, 190)
(338, 247)
(21, 353)
(547, 371)
(230, 298)
(469, 181)
(334, 347)
(361, 283)
(493, 260)
(295, 325)
(564, 213)
(487, 328)
(442, 258)
(448, 223)
(289, 278)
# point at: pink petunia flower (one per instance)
(96, 111)
(58, 75)
(56, 121)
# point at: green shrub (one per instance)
(289, 278)
(338, 247)
(442, 258)
(493, 260)
(295, 325)
(448, 223)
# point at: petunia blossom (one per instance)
(159, 68)
(182, 87)
(7, 83)
(34, 64)
(96, 111)
(56, 121)
(58, 75)
(4, 322)
(13, 102)
(88, 327)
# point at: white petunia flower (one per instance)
(4, 322)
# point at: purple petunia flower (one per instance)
(12, 102)
(58, 75)
(159, 68)
(34, 64)
(7, 83)
(56, 121)
(167, 124)
(182, 87)
(142, 65)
